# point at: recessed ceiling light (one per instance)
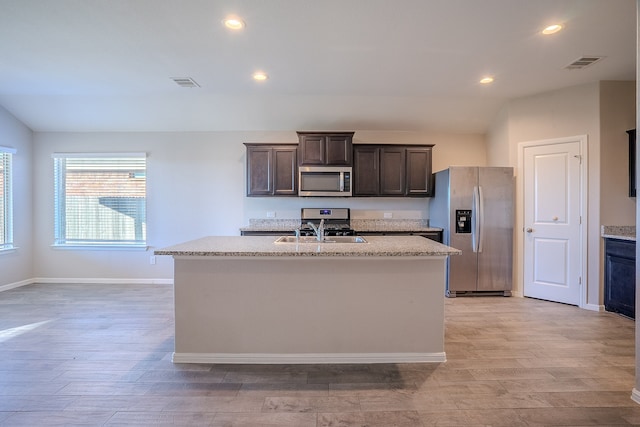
(486, 80)
(233, 23)
(552, 29)
(260, 76)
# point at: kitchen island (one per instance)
(251, 300)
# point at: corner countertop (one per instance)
(264, 246)
(622, 232)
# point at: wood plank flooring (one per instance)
(101, 355)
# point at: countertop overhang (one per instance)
(265, 246)
(621, 232)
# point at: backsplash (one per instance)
(260, 224)
(272, 224)
(389, 224)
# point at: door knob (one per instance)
(529, 230)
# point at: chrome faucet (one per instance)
(319, 230)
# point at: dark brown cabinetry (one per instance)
(267, 233)
(435, 235)
(419, 177)
(325, 148)
(272, 169)
(620, 276)
(366, 166)
(632, 162)
(392, 170)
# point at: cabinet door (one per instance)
(620, 277)
(392, 171)
(338, 150)
(259, 166)
(632, 162)
(366, 180)
(285, 170)
(419, 172)
(312, 150)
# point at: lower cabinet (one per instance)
(267, 233)
(620, 277)
(433, 235)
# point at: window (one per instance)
(6, 199)
(100, 199)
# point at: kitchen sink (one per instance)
(327, 239)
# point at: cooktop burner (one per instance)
(336, 221)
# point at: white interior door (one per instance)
(552, 220)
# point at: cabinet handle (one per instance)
(529, 230)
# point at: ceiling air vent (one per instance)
(583, 62)
(185, 82)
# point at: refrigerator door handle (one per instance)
(480, 219)
(475, 214)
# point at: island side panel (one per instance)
(324, 309)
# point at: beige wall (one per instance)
(196, 187)
(562, 113)
(617, 114)
(498, 147)
(636, 391)
(16, 266)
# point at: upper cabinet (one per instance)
(366, 167)
(392, 170)
(632, 162)
(272, 169)
(419, 176)
(325, 148)
(382, 170)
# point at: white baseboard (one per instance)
(334, 358)
(16, 285)
(90, 281)
(593, 307)
(635, 395)
(103, 281)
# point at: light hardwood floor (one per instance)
(101, 355)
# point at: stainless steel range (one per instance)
(336, 221)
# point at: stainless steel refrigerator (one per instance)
(475, 208)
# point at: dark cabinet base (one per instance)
(620, 277)
(433, 235)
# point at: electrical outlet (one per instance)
(271, 214)
(388, 215)
(152, 260)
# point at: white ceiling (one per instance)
(105, 65)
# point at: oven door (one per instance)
(324, 181)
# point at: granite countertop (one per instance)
(622, 232)
(264, 246)
(360, 225)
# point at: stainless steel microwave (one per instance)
(324, 181)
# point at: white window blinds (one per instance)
(100, 199)
(6, 198)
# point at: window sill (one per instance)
(98, 247)
(4, 251)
